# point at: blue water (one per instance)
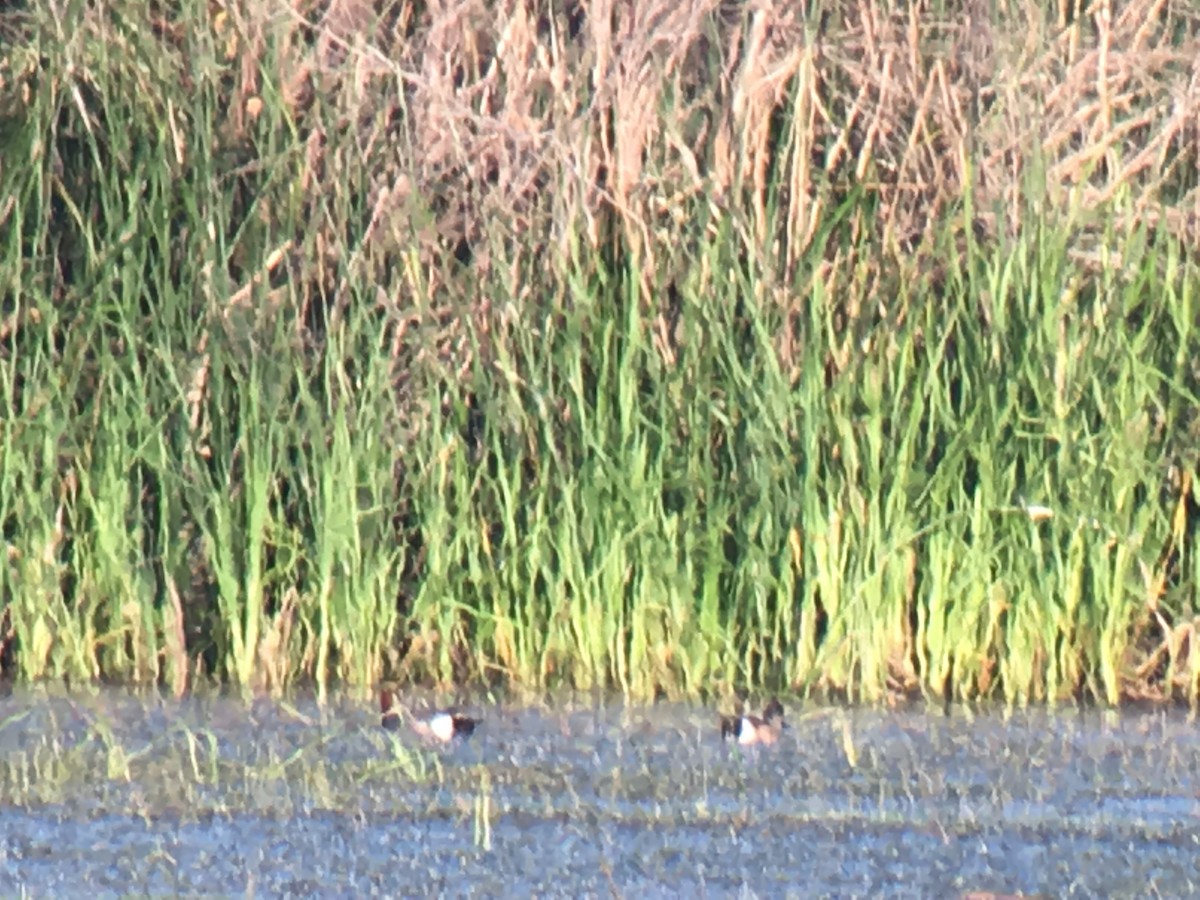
(110, 794)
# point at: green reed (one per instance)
(210, 470)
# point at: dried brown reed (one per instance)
(618, 120)
(621, 123)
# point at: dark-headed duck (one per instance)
(748, 730)
(440, 725)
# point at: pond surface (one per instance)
(107, 793)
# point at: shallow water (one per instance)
(110, 793)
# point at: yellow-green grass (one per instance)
(823, 375)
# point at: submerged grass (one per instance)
(194, 772)
(316, 364)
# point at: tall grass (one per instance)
(287, 395)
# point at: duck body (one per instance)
(441, 725)
(444, 726)
(749, 730)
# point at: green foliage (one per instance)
(230, 448)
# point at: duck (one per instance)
(442, 725)
(749, 730)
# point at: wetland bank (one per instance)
(660, 350)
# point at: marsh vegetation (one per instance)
(657, 347)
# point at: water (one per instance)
(109, 794)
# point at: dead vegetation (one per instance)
(498, 137)
(627, 124)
